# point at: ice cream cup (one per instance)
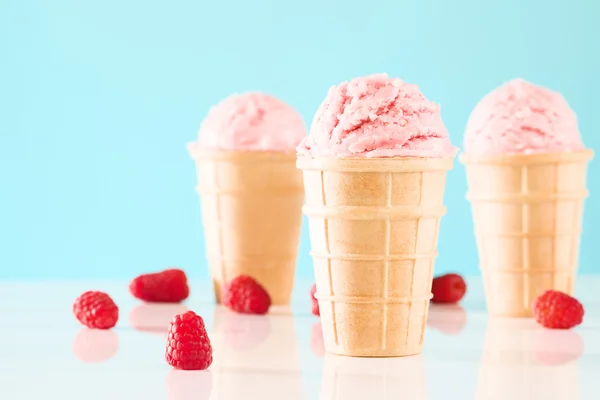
(251, 213)
(374, 226)
(528, 212)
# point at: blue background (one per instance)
(99, 98)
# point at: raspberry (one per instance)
(314, 302)
(557, 310)
(449, 288)
(96, 310)
(168, 286)
(244, 295)
(188, 345)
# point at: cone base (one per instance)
(378, 329)
(372, 354)
(510, 314)
(512, 295)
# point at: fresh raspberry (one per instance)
(557, 310)
(168, 286)
(314, 302)
(188, 345)
(449, 288)
(96, 310)
(244, 295)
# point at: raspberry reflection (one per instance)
(449, 319)
(189, 385)
(557, 347)
(316, 340)
(95, 345)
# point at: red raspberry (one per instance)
(168, 286)
(449, 288)
(188, 345)
(556, 310)
(314, 302)
(244, 295)
(96, 310)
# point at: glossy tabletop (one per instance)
(46, 353)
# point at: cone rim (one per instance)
(380, 164)
(243, 155)
(525, 159)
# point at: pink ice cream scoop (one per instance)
(251, 122)
(520, 117)
(377, 116)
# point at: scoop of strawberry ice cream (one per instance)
(520, 117)
(377, 116)
(250, 122)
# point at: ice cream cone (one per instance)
(251, 212)
(373, 228)
(527, 210)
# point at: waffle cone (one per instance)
(373, 229)
(528, 212)
(251, 213)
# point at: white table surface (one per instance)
(46, 354)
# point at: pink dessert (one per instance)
(520, 117)
(251, 122)
(377, 116)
